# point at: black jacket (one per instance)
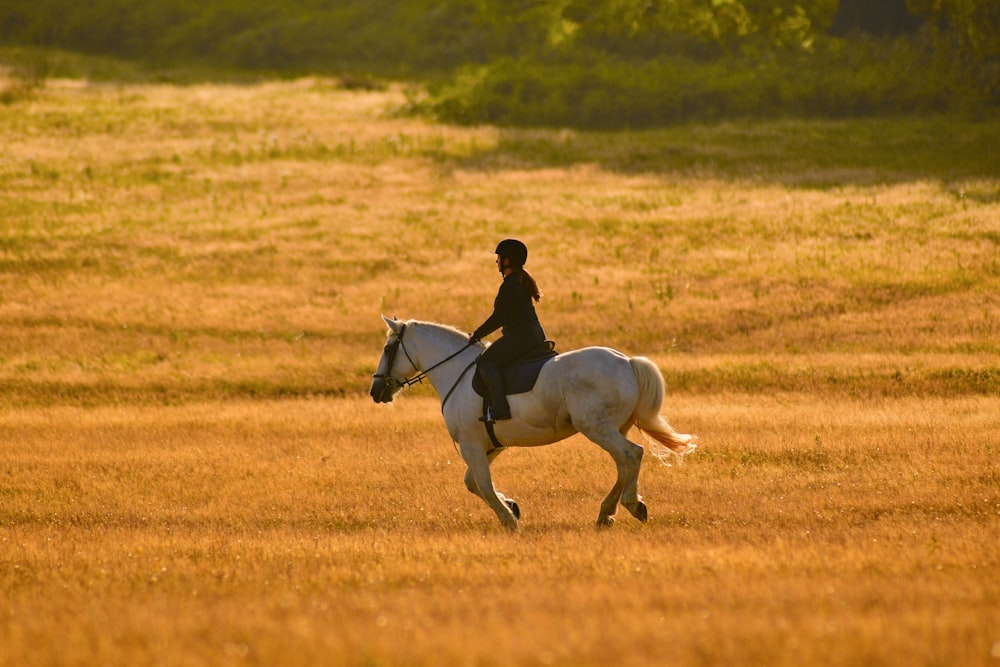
(514, 311)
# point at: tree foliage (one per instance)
(598, 62)
(609, 63)
(654, 25)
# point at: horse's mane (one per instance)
(446, 328)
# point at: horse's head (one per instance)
(390, 377)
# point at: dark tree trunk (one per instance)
(876, 17)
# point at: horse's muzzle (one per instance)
(377, 389)
(382, 391)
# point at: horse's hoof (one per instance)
(515, 510)
(511, 526)
(605, 522)
(640, 512)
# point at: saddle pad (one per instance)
(518, 378)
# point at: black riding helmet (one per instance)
(513, 250)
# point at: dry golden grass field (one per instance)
(192, 473)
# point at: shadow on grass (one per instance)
(796, 153)
(60, 64)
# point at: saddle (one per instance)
(520, 376)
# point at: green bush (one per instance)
(837, 79)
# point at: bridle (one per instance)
(390, 351)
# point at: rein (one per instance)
(455, 386)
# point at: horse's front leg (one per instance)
(480, 482)
(470, 484)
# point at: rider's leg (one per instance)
(496, 392)
(503, 352)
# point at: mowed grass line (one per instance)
(333, 531)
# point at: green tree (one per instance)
(726, 25)
(966, 35)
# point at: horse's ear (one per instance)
(393, 324)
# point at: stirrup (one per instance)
(491, 417)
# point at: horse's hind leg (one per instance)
(609, 506)
(630, 495)
(627, 457)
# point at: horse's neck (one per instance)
(437, 343)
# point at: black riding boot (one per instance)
(499, 408)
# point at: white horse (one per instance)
(596, 391)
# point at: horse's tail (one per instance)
(665, 442)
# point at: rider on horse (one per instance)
(514, 311)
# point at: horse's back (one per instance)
(596, 358)
(586, 370)
(591, 385)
